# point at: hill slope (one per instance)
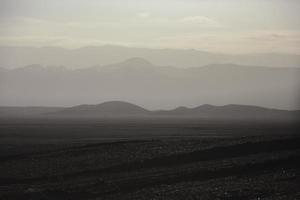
(137, 80)
(110, 108)
(103, 55)
(124, 109)
(231, 111)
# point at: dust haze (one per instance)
(139, 99)
(62, 53)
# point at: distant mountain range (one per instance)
(119, 109)
(138, 80)
(13, 57)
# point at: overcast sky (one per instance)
(231, 26)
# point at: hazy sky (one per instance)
(231, 26)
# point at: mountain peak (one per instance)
(116, 104)
(137, 61)
(205, 106)
(107, 108)
(126, 109)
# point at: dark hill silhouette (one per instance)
(114, 108)
(154, 86)
(231, 111)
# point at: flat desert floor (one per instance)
(148, 159)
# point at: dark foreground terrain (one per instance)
(148, 159)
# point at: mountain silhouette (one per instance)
(108, 54)
(136, 62)
(154, 86)
(231, 111)
(206, 111)
(114, 108)
(128, 65)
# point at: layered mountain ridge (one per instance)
(138, 80)
(108, 54)
(121, 109)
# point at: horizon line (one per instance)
(135, 104)
(145, 47)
